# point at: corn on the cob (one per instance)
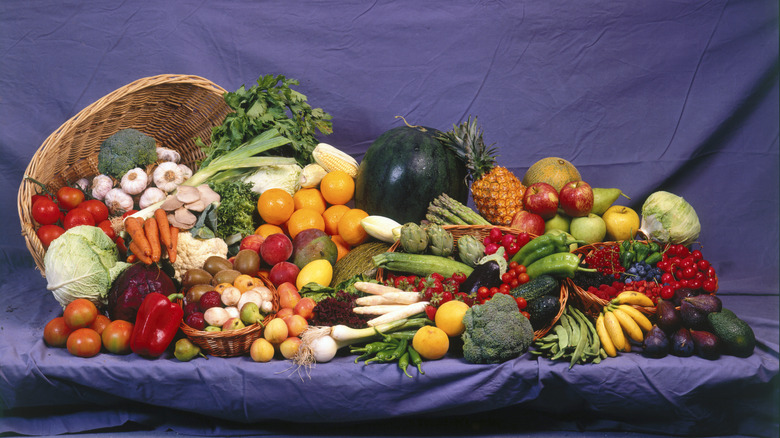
(311, 175)
(332, 159)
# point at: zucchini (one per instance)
(420, 264)
(537, 288)
(542, 310)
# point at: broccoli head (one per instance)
(125, 150)
(496, 331)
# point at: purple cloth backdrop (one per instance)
(643, 96)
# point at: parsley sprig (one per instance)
(272, 103)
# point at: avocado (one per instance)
(735, 334)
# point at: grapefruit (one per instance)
(553, 171)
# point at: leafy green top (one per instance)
(269, 104)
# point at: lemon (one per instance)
(316, 271)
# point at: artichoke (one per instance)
(414, 239)
(470, 250)
(441, 241)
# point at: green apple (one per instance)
(590, 228)
(558, 222)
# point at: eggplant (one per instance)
(487, 274)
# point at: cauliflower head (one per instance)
(496, 331)
(191, 253)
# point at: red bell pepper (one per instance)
(156, 324)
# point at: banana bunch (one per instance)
(620, 323)
(573, 338)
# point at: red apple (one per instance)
(253, 242)
(528, 222)
(576, 198)
(276, 248)
(542, 199)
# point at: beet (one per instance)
(132, 286)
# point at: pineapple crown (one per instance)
(465, 140)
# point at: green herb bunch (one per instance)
(271, 104)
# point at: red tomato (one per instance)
(69, 197)
(80, 313)
(47, 234)
(56, 332)
(84, 342)
(100, 323)
(116, 336)
(45, 211)
(76, 217)
(97, 209)
(107, 228)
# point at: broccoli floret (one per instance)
(125, 150)
(496, 331)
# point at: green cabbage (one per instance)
(282, 176)
(82, 263)
(668, 218)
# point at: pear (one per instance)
(250, 313)
(604, 198)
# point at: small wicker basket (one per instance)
(588, 302)
(174, 109)
(480, 232)
(234, 342)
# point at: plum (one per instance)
(276, 248)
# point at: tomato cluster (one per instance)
(511, 243)
(84, 331)
(66, 209)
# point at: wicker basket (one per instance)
(234, 342)
(588, 302)
(480, 232)
(174, 109)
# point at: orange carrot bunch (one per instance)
(149, 237)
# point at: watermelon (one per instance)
(404, 170)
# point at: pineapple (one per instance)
(497, 193)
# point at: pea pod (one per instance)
(563, 264)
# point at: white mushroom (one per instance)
(207, 195)
(187, 194)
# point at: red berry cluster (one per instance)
(684, 268)
(607, 291)
(511, 243)
(606, 260)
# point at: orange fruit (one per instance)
(431, 342)
(350, 228)
(304, 219)
(341, 246)
(310, 198)
(449, 317)
(266, 230)
(275, 206)
(245, 282)
(332, 215)
(337, 187)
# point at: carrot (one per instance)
(153, 236)
(164, 226)
(138, 253)
(174, 242)
(132, 258)
(134, 226)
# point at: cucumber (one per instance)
(542, 310)
(537, 288)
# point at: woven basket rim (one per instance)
(77, 123)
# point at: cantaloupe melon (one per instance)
(551, 170)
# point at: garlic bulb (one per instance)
(167, 176)
(186, 171)
(134, 181)
(83, 184)
(101, 184)
(118, 201)
(165, 154)
(151, 195)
